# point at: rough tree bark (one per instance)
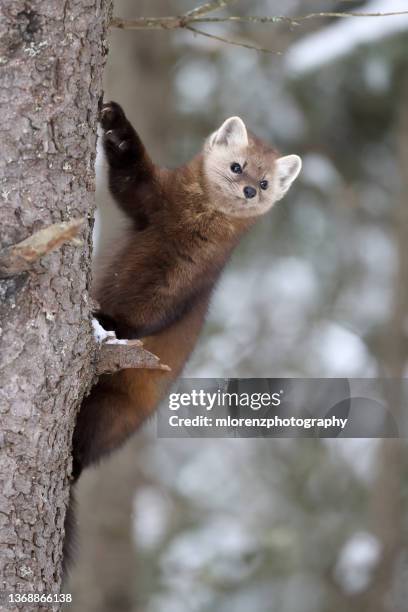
(51, 61)
(138, 75)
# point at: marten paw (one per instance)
(118, 133)
(112, 116)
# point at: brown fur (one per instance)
(158, 286)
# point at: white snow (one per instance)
(356, 562)
(341, 37)
(347, 449)
(100, 334)
(202, 549)
(319, 171)
(196, 82)
(151, 514)
(340, 352)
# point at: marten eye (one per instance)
(236, 168)
(264, 184)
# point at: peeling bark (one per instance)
(20, 257)
(51, 61)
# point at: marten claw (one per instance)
(112, 116)
(116, 129)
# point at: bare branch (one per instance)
(149, 23)
(229, 41)
(123, 354)
(20, 257)
(273, 19)
(188, 20)
(174, 23)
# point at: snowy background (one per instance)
(318, 289)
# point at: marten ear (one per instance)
(287, 168)
(232, 133)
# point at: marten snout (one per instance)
(249, 192)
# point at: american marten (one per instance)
(184, 225)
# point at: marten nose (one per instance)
(249, 192)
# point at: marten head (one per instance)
(245, 176)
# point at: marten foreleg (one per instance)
(130, 167)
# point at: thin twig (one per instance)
(229, 41)
(209, 7)
(245, 19)
(348, 14)
(20, 257)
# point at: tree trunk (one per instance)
(51, 61)
(106, 575)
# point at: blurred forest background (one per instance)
(318, 289)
